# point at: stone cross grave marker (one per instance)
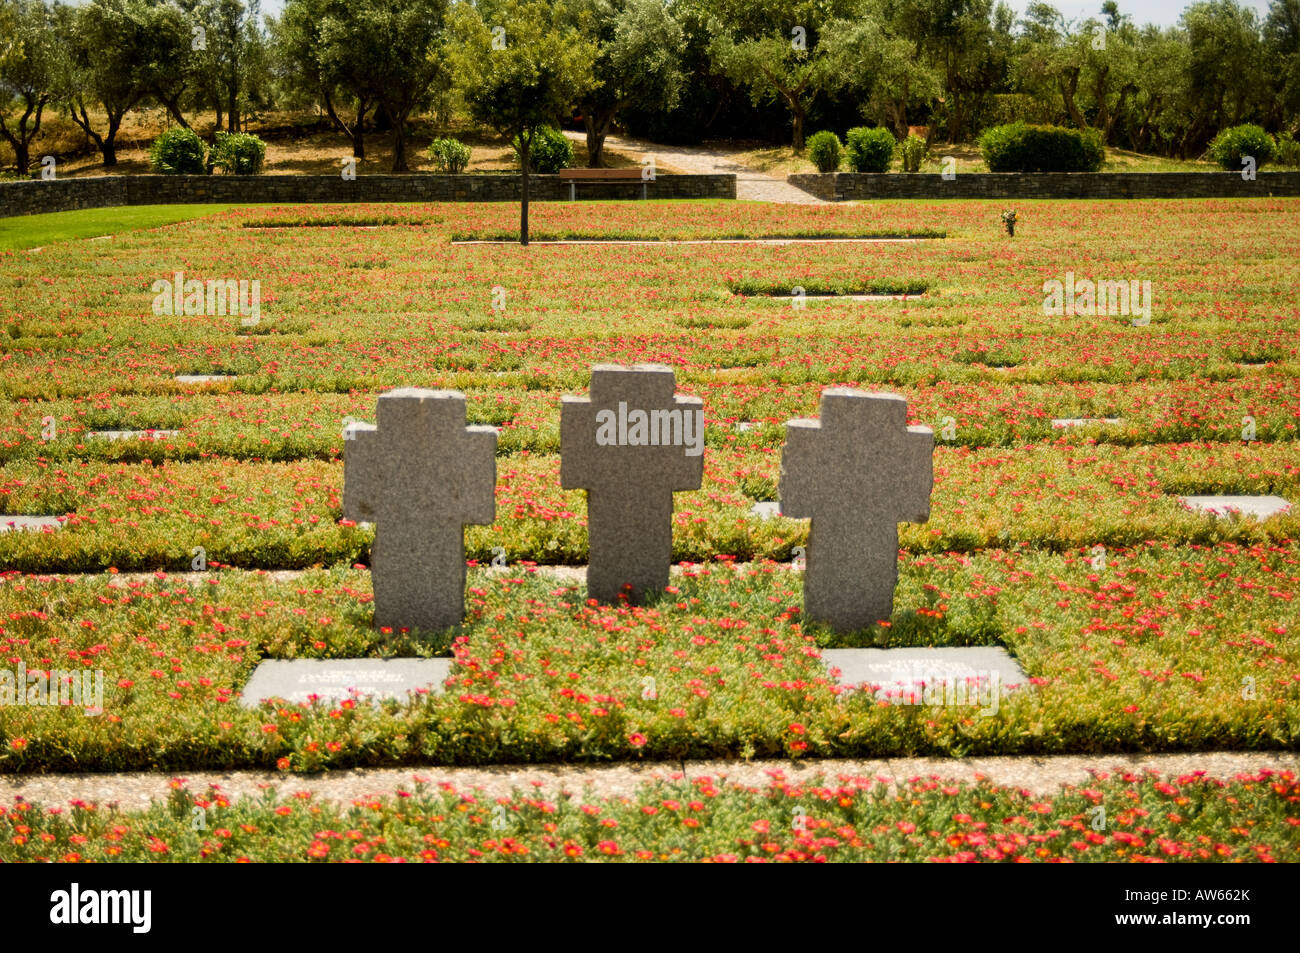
(419, 474)
(856, 472)
(630, 445)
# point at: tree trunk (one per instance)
(77, 113)
(232, 108)
(398, 123)
(955, 97)
(1069, 84)
(358, 131)
(1099, 93)
(796, 122)
(108, 145)
(1125, 91)
(353, 132)
(173, 109)
(956, 120)
(1145, 135)
(525, 144)
(19, 140)
(595, 142)
(597, 123)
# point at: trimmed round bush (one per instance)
(238, 153)
(1020, 147)
(449, 155)
(550, 151)
(1234, 142)
(823, 149)
(913, 150)
(870, 150)
(178, 152)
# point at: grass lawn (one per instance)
(34, 231)
(1183, 638)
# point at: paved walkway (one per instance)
(1040, 775)
(702, 160)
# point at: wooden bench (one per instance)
(574, 176)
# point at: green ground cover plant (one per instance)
(1187, 819)
(1182, 638)
(1153, 651)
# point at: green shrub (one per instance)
(913, 149)
(870, 150)
(824, 150)
(1288, 150)
(449, 155)
(178, 152)
(550, 151)
(238, 153)
(1020, 147)
(1234, 142)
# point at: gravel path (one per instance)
(1040, 775)
(700, 160)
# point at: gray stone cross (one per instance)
(630, 445)
(857, 472)
(419, 475)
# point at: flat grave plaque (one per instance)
(1060, 423)
(11, 521)
(950, 673)
(133, 434)
(1261, 507)
(294, 680)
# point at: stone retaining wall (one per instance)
(59, 195)
(846, 186)
(32, 196)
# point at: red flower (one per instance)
(636, 739)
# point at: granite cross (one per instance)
(630, 445)
(857, 472)
(419, 474)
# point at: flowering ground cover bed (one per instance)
(1170, 646)
(984, 413)
(654, 220)
(141, 516)
(1181, 635)
(1187, 819)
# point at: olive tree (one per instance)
(520, 65)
